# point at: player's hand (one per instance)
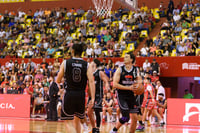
(91, 103)
(135, 87)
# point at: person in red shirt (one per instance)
(154, 78)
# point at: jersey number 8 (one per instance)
(76, 74)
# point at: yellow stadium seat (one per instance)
(173, 52)
(184, 38)
(124, 17)
(79, 34)
(114, 23)
(123, 34)
(162, 32)
(83, 54)
(38, 36)
(73, 35)
(93, 41)
(105, 52)
(159, 50)
(131, 47)
(133, 27)
(55, 30)
(23, 26)
(90, 39)
(124, 52)
(197, 51)
(183, 32)
(144, 33)
(154, 38)
(156, 10)
(24, 54)
(197, 19)
(10, 42)
(177, 38)
(189, 13)
(156, 16)
(57, 54)
(19, 36)
(78, 30)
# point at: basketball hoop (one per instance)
(103, 7)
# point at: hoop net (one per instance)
(103, 7)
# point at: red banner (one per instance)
(14, 105)
(183, 112)
(170, 66)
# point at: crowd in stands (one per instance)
(179, 34)
(48, 33)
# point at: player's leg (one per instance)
(91, 116)
(124, 109)
(104, 114)
(98, 119)
(77, 124)
(70, 126)
(133, 117)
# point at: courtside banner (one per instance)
(188, 66)
(183, 111)
(14, 105)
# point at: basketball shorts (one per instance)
(97, 103)
(73, 104)
(127, 104)
(149, 104)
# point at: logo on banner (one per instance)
(190, 66)
(188, 114)
(6, 106)
(164, 65)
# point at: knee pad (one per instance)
(124, 119)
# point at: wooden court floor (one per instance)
(8, 125)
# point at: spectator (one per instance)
(160, 89)
(188, 95)
(146, 64)
(155, 67)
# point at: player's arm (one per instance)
(105, 79)
(151, 93)
(91, 82)
(60, 74)
(116, 81)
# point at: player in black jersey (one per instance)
(76, 72)
(124, 79)
(100, 79)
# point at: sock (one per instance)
(115, 129)
(141, 123)
(93, 130)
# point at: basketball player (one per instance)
(76, 72)
(124, 79)
(100, 78)
(150, 104)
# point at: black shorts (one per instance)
(127, 104)
(97, 103)
(139, 100)
(73, 104)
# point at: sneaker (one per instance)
(162, 124)
(140, 128)
(85, 129)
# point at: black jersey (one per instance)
(75, 74)
(127, 78)
(98, 84)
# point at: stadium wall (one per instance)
(13, 5)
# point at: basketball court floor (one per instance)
(12, 125)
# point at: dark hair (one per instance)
(78, 49)
(132, 56)
(97, 62)
(161, 94)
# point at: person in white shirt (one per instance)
(176, 17)
(97, 51)
(144, 50)
(146, 64)
(160, 89)
(89, 51)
